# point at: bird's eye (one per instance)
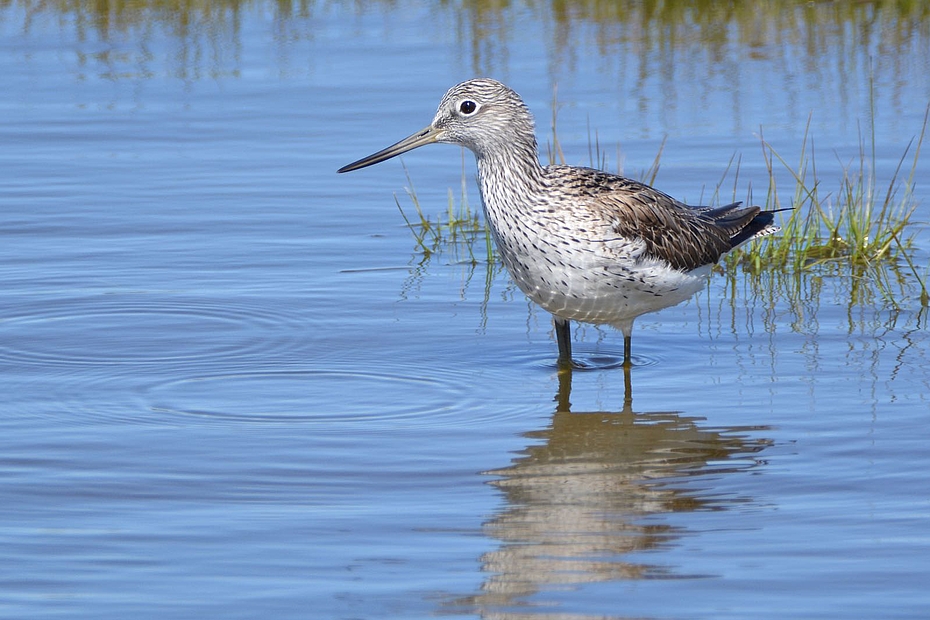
(468, 107)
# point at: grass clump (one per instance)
(862, 227)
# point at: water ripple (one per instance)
(166, 359)
(331, 396)
(143, 329)
(596, 359)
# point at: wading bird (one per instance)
(584, 244)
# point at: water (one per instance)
(233, 388)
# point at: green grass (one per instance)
(860, 228)
(459, 229)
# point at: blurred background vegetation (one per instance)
(800, 31)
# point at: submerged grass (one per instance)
(861, 230)
(459, 229)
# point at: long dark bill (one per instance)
(425, 136)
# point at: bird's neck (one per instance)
(510, 177)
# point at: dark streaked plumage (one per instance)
(583, 244)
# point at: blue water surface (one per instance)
(235, 387)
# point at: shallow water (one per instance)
(234, 388)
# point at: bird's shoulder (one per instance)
(611, 190)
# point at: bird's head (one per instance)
(482, 115)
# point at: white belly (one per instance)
(601, 285)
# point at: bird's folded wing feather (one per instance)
(685, 237)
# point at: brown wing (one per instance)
(685, 237)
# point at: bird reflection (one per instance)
(577, 498)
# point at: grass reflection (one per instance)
(654, 29)
(707, 21)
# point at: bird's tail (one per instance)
(759, 226)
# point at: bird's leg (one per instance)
(627, 328)
(563, 335)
